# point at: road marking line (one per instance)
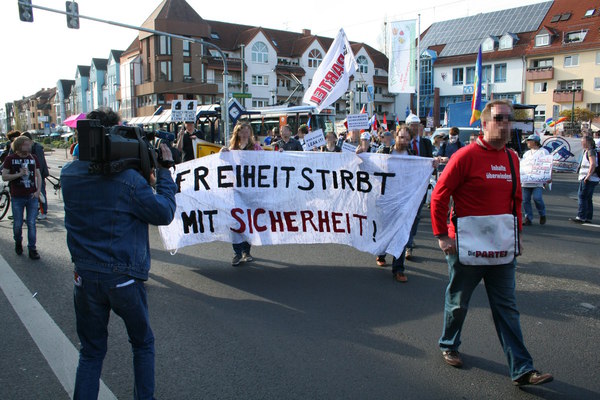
(58, 350)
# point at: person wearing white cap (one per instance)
(365, 143)
(424, 148)
(534, 190)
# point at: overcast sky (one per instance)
(36, 55)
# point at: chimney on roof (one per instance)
(306, 32)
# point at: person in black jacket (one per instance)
(38, 150)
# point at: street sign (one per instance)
(235, 109)
(184, 110)
(241, 95)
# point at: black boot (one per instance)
(33, 254)
(18, 248)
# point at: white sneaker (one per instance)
(42, 217)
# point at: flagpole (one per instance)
(418, 64)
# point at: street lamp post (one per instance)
(573, 88)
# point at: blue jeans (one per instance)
(44, 204)
(415, 225)
(95, 295)
(499, 283)
(19, 205)
(398, 263)
(536, 193)
(239, 248)
(585, 195)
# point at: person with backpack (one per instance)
(589, 176)
(449, 147)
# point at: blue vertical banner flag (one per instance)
(476, 102)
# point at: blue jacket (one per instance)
(107, 217)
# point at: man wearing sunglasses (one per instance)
(480, 180)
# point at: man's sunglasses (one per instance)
(503, 117)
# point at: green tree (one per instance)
(581, 115)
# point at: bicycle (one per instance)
(4, 200)
(55, 182)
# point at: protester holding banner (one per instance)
(364, 144)
(399, 148)
(287, 142)
(423, 148)
(386, 145)
(536, 189)
(242, 139)
(588, 180)
(484, 182)
(331, 146)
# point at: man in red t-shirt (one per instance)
(478, 189)
(22, 170)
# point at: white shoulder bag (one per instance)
(489, 239)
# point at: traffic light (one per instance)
(72, 15)
(347, 98)
(25, 11)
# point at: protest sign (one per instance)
(358, 121)
(536, 170)
(183, 110)
(366, 201)
(314, 139)
(566, 152)
(348, 148)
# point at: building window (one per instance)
(187, 70)
(575, 37)
(164, 71)
(260, 80)
(500, 73)
(164, 45)
(543, 63)
(594, 107)
(506, 42)
(598, 58)
(187, 48)
(283, 83)
(540, 113)
(487, 45)
(486, 74)
(260, 53)
(542, 40)
(314, 58)
(260, 103)
(470, 76)
(458, 76)
(363, 64)
(570, 85)
(540, 87)
(596, 83)
(215, 35)
(572, 61)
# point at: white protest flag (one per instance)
(403, 56)
(367, 201)
(332, 78)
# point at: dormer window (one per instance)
(575, 37)
(589, 12)
(543, 39)
(215, 35)
(488, 44)
(507, 42)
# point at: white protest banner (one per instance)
(331, 79)
(348, 148)
(183, 110)
(403, 56)
(367, 201)
(358, 121)
(566, 152)
(536, 170)
(314, 139)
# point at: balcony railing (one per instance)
(566, 95)
(540, 73)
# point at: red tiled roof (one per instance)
(576, 22)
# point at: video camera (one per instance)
(114, 149)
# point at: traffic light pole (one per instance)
(225, 113)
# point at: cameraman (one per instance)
(107, 219)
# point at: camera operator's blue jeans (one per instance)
(19, 205)
(398, 263)
(499, 283)
(536, 193)
(415, 225)
(94, 297)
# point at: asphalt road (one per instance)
(322, 321)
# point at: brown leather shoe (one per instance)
(400, 277)
(533, 378)
(452, 357)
